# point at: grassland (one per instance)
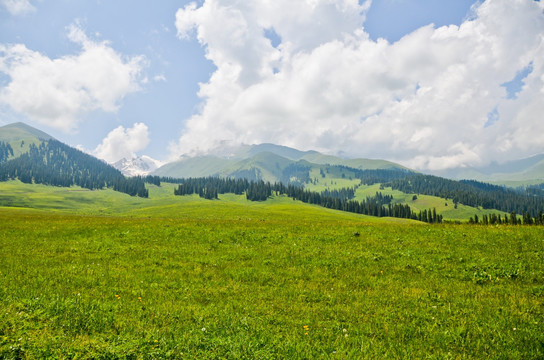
(182, 277)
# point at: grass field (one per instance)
(182, 277)
(444, 207)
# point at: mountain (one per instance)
(268, 162)
(20, 136)
(21, 131)
(138, 166)
(528, 170)
(37, 158)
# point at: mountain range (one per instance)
(34, 157)
(523, 171)
(272, 162)
(268, 162)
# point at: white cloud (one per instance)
(159, 78)
(59, 92)
(423, 101)
(123, 143)
(18, 7)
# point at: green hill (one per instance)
(264, 165)
(38, 158)
(268, 162)
(363, 164)
(21, 131)
(20, 136)
(199, 166)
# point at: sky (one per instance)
(430, 84)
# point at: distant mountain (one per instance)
(138, 166)
(527, 170)
(268, 162)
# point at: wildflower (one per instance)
(203, 329)
(344, 330)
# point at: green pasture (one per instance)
(100, 275)
(445, 207)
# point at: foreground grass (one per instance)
(229, 279)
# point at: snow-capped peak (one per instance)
(141, 165)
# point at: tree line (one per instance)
(470, 192)
(5, 151)
(260, 191)
(54, 163)
(512, 219)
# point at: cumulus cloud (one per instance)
(18, 7)
(59, 92)
(423, 101)
(123, 143)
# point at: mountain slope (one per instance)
(265, 166)
(198, 166)
(43, 160)
(21, 131)
(20, 136)
(264, 161)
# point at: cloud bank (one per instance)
(123, 143)
(59, 92)
(312, 78)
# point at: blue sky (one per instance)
(363, 79)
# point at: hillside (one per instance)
(40, 159)
(21, 131)
(267, 162)
(20, 136)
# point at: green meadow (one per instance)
(101, 275)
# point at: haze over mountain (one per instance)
(527, 170)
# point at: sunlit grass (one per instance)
(98, 274)
(232, 279)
